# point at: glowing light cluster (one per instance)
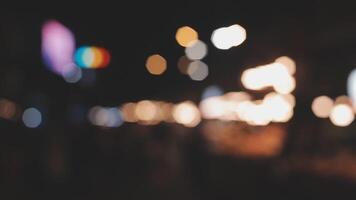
(147, 112)
(277, 75)
(58, 45)
(92, 57)
(238, 106)
(105, 116)
(228, 37)
(340, 112)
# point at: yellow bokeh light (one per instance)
(322, 106)
(342, 115)
(186, 35)
(156, 64)
(187, 113)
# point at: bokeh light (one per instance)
(8, 109)
(146, 111)
(32, 118)
(156, 64)
(228, 37)
(186, 35)
(92, 57)
(288, 63)
(183, 64)
(351, 86)
(73, 76)
(128, 112)
(212, 91)
(198, 70)
(196, 51)
(109, 117)
(322, 106)
(272, 75)
(58, 45)
(342, 115)
(187, 113)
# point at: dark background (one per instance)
(67, 158)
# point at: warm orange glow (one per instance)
(7, 109)
(343, 100)
(342, 115)
(146, 110)
(187, 113)
(156, 64)
(321, 106)
(128, 112)
(186, 35)
(239, 140)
